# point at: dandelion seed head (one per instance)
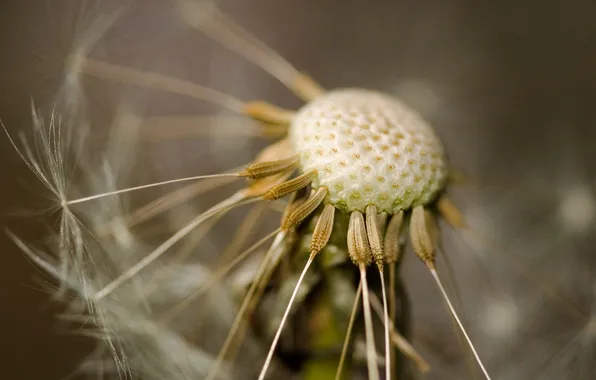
(369, 149)
(158, 312)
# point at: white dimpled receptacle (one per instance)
(368, 148)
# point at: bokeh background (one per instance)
(509, 85)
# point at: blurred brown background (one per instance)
(515, 84)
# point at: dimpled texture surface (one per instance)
(368, 148)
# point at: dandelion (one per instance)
(364, 174)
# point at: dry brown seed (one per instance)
(305, 209)
(323, 229)
(296, 199)
(290, 186)
(421, 237)
(392, 237)
(451, 213)
(261, 186)
(374, 235)
(358, 247)
(382, 221)
(264, 169)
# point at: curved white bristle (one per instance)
(460, 325)
(148, 186)
(283, 319)
(49, 159)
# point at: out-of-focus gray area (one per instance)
(509, 85)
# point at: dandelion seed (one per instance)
(48, 159)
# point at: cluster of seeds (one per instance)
(353, 150)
